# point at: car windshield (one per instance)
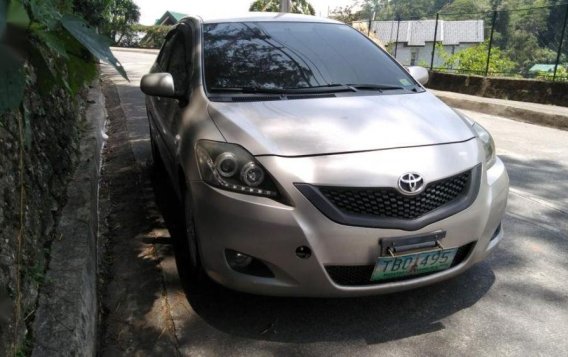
(270, 56)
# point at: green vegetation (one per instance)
(474, 60)
(122, 14)
(48, 53)
(403, 9)
(154, 35)
(526, 32)
(298, 6)
(55, 41)
(561, 74)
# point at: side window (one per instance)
(179, 65)
(165, 53)
(413, 56)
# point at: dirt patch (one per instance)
(135, 311)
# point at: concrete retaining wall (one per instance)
(39, 143)
(524, 90)
(66, 319)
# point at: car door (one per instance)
(170, 109)
(157, 106)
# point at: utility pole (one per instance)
(560, 45)
(285, 5)
(397, 31)
(490, 41)
(434, 43)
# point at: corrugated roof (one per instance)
(175, 15)
(541, 67)
(418, 32)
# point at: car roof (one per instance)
(269, 17)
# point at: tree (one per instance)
(403, 9)
(121, 15)
(298, 6)
(522, 34)
(464, 7)
(409, 9)
(93, 11)
(474, 60)
(376, 8)
(555, 21)
(526, 31)
(345, 14)
(50, 38)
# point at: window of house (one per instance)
(413, 56)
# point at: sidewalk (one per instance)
(149, 51)
(541, 114)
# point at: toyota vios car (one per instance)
(311, 163)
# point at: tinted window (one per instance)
(179, 64)
(165, 53)
(294, 55)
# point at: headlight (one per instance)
(488, 144)
(232, 168)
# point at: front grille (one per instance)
(358, 275)
(385, 207)
(387, 202)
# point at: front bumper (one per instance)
(271, 231)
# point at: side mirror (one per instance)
(419, 73)
(158, 85)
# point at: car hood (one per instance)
(315, 126)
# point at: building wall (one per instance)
(422, 55)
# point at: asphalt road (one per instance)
(514, 303)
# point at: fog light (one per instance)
(246, 264)
(238, 260)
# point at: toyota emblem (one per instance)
(411, 183)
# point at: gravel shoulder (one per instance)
(136, 316)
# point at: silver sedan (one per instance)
(310, 163)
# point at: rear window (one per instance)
(286, 55)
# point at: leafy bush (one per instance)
(122, 14)
(58, 44)
(154, 35)
(561, 74)
(47, 54)
(474, 60)
(298, 6)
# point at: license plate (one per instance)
(413, 264)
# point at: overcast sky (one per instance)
(152, 9)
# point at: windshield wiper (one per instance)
(255, 90)
(327, 88)
(380, 87)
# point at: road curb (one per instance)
(139, 50)
(511, 111)
(66, 319)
